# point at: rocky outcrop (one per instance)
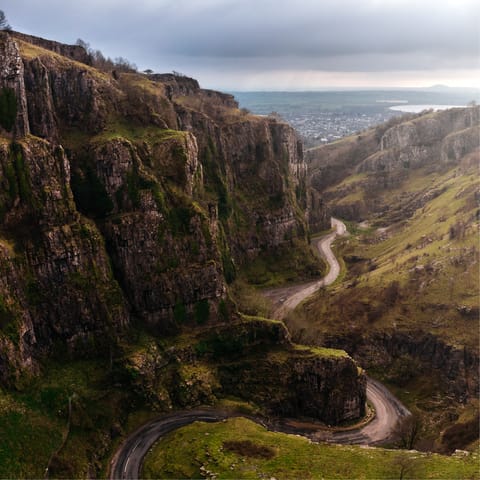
(74, 52)
(444, 136)
(304, 384)
(177, 86)
(12, 79)
(405, 355)
(256, 166)
(17, 333)
(254, 360)
(62, 292)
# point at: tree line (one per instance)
(98, 60)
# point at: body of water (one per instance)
(420, 108)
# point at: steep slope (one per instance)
(127, 204)
(353, 178)
(163, 175)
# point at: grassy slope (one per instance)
(200, 447)
(420, 274)
(33, 420)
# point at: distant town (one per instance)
(325, 116)
(326, 127)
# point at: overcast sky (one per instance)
(273, 44)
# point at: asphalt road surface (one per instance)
(128, 460)
(285, 299)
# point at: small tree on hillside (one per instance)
(4, 25)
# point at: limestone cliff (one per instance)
(165, 171)
(381, 158)
(130, 200)
(407, 305)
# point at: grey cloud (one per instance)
(248, 31)
(335, 35)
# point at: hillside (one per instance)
(407, 307)
(254, 452)
(129, 203)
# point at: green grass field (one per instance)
(240, 449)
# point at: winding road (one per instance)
(127, 462)
(285, 299)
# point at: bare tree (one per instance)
(404, 465)
(83, 44)
(4, 25)
(410, 430)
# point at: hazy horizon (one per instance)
(360, 89)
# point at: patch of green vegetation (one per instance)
(239, 339)
(24, 189)
(30, 51)
(8, 321)
(26, 435)
(200, 448)
(33, 420)
(249, 300)
(18, 177)
(180, 313)
(12, 192)
(220, 345)
(8, 108)
(356, 196)
(179, 220)
(287, 263)
(233, 404)
(415, 275)
(215, 181)
(33, 291)
(137, 182)
(229, 270)
(320, 351)
(120, 129)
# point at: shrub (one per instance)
(179, 313)
(461, 434)
(246, 448)
(8, 108)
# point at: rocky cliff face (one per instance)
(74, 52)
(60, 292)
(397, 352)
(383, 157)
(130, 199)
